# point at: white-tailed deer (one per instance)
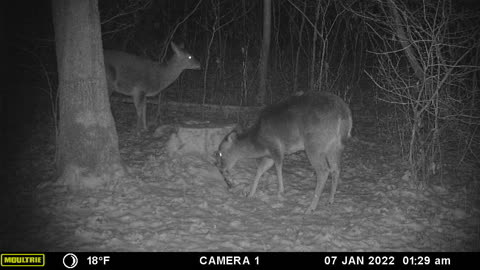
(317, 123)
(141, 78)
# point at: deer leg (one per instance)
(333, 159)
(139, 99)
(159, 108)
(319, 163)
(265, 164)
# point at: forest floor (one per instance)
(183, 204)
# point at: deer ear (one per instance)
(232, 136)
(174, 47)
(239, 129)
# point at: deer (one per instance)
(317, 123)
(140, 78)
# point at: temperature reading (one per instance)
(94, 260)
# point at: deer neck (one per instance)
(166, 73)
(249, 147)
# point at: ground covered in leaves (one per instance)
(183, 204)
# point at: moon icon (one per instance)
(70, 260)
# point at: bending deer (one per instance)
(317, 123)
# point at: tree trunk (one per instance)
(404, 41)
(297, 57)
(87, 142)
(267, 22)
(314, 47)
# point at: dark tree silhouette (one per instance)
(87, 142)
(267, 26)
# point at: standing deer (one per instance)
(141, 78)
(317, 123)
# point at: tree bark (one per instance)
(402, 37)
(267, 26)
(297, 57)
(87, 142)
(314, 47)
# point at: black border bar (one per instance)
(255, 260)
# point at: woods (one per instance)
(428, 72)
(424, 69)
(79, 176)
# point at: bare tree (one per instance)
(327, 70)
(297, 57)
(87, 142)
(219, 20)
(267, 26)
(425, 65)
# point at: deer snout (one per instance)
(218, 160)
(220, 164)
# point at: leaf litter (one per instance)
(183, 204)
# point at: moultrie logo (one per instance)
(22, 259)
